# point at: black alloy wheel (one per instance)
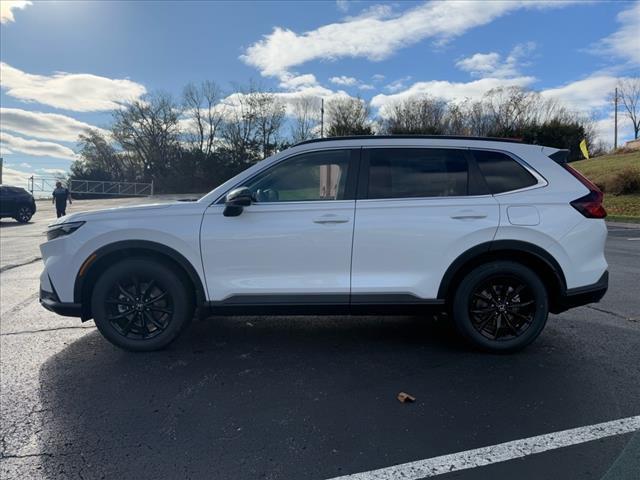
(139, 308)
(500, 306)
(142, 303)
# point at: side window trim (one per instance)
(475, 179)
(540, 180)
(350, 184)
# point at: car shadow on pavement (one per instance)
(294, 398)
(9, 224)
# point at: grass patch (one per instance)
(602, 170)
(599, 168)
(623, 205)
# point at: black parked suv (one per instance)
(16, 202)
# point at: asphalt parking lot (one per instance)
(304, 397)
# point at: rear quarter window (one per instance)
(501, 172)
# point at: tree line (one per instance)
(194, 143)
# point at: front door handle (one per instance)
(325, 219)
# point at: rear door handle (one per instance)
(468, 215)
(325, 219)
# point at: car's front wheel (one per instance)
(501, 306)
(141, 304)
(24, 214)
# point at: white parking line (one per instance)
(502, 452)
(637, 238)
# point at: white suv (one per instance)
(496, 233)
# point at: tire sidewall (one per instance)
(170, 280)
(460, 307)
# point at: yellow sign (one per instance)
(583, 148)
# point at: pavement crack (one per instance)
(26, 332)
(28, 262)
(609, 312)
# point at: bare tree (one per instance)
(306, 116)
(201, 103)
(253, 123)
(149, 130)
(629, 91)
(423, 115)
(348, 116)
(100, 160)
(269, 115)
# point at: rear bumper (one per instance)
(575, 297)
(50, 301)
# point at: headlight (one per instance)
(62, 229)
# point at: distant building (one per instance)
(633, 144)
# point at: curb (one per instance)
(630, 226)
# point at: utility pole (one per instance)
(322, 118)
(615, 120)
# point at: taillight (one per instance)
(591, 204)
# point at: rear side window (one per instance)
(417, 172)
(501, 172)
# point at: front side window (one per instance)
(417, 172)
(501, 172)
(311, 176)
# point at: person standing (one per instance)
(60, 197)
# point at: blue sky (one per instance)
(66, 64)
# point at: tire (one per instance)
(500, 306)
(24, 214)
(165, 306)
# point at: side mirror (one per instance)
(236, 200)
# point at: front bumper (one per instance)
(50, 301)
(576, 297)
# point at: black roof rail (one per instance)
(383, 137)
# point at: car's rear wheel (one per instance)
(141, 304)
(24, 214)
(501, 306)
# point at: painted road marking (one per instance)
(638, 238)
(502, 452)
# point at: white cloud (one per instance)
(624, 43)
(6, 7)
(50, 126)
(343, 5)
(455, 91)
(492, 64)
(14, 177)
(397, 85)
(585, 95)
(81, 92)
(25, 165)
(378, 77)
(36, 148)
(344, 80)
(53, 171)
(378, 34)
(288, 99)
(296, 82)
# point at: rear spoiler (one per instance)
(560, 156)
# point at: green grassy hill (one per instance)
(601, 170)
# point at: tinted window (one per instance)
(417, 172)
(307, 177)
(502, 172)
